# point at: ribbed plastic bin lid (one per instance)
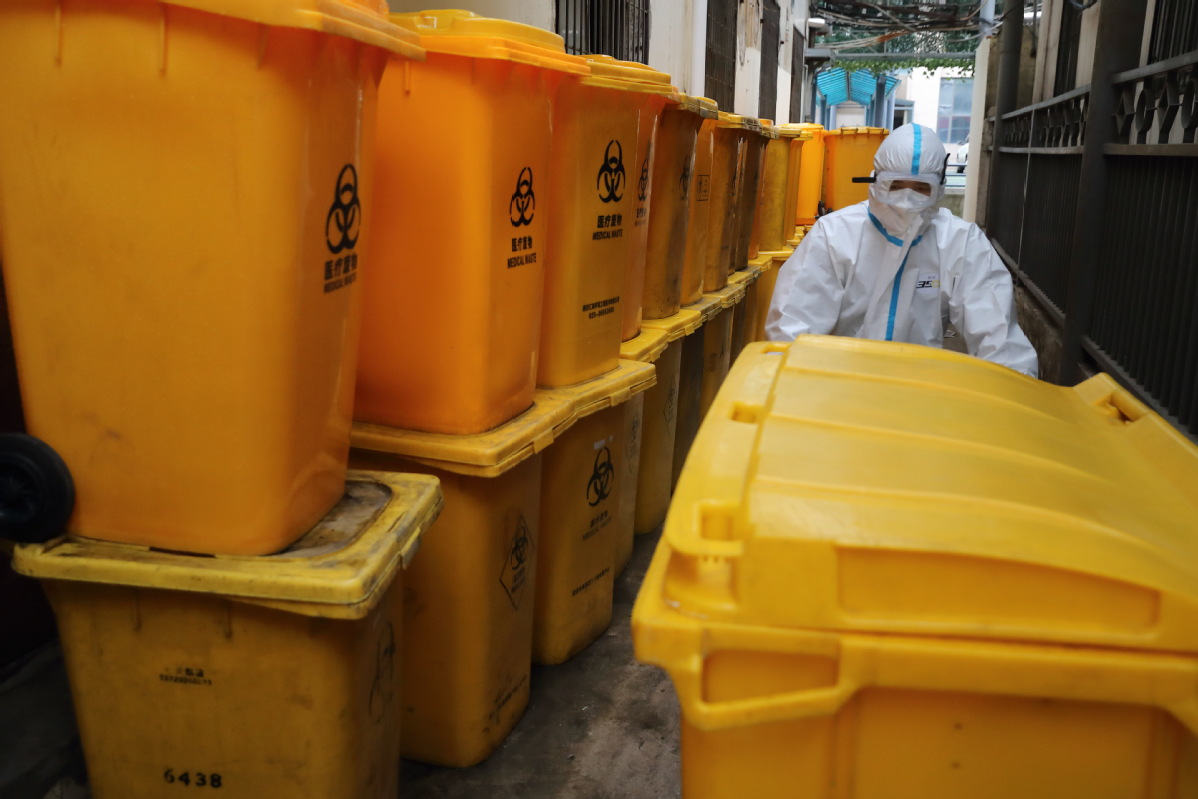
(363, 20)
(849, 485)
(340, 568)
(465, 33)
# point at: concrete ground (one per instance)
(600, 726)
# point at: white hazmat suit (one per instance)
(897, 267)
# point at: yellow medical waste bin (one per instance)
(811, 175)
(691, 320)
(655, 95)
(468, 604)
(242, 676)
(729, 148)
(695, 260)
(593, 191)
(749, 196)
(717, 343)
(764, 289)
(780, 187)
(674, 186)
(581, 492)
(451, 318)
(662, 348)
(849, 154)
(999, 591)
(744, 312)
(180, 284)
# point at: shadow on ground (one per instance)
(600, 726)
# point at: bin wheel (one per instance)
(37, 493)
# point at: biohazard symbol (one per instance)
(382, 687)
(524, 202)
(345, 216)
(599, 486)
(684, 182)
(642, 186)
(611, 174)
(515, 566)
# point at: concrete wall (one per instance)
(671, 41)
(974, 177)
(531, 12)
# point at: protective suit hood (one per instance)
(910, 153)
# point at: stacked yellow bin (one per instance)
(730, 138)
(694, 264)
(451, 320)
(274, 675)
(229, 596)
(811, 175)
(471, 599)
(849, 154)
(593, 194)
(1010, 613)
(750, 194)
(191, 353)
(676, 184)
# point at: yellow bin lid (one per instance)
(339, 569)
(612, 73)
(768, 129)
(646, 347)
(883, 488)
(495, 451)
(702, 106)
(464, 33)
(363, 20)
(791, 130)
(857, 132)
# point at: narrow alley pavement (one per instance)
(600, 726)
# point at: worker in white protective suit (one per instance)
(898, 267)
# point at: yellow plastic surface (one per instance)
(998, 593)
(654, 480)
(493, 452)
(765, 294)
(632, 440)
(694, 263)
(744, 312)
(592, 191)
(749, 197)
(647, 346)
(464, 33)
(185, 333)
(468, 601)
(451, 321)
(811, 176)
(779, 192)
(717, 357)
(581, 487)
(181, 683)
(362, 20)
(849, 154)
(673, 186)
(729, 149)
(795, 137)
(690, 386)
(683, 323)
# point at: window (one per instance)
(771, 42)
(720, 72)
(1069, 43)
(618, 28)
(956, 101)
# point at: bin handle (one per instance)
(1168, 682)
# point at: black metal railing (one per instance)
(720, 72)
(1174, 29)
(1158, 103)
(1146, 290)
(618, 28)
(1048, 217)
(1005, 214)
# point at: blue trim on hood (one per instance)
(918, 148)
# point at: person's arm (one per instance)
(808, 293)
(982, 308)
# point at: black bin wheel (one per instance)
(37, 493)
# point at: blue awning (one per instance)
(838, 85)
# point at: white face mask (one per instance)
(903, 212)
